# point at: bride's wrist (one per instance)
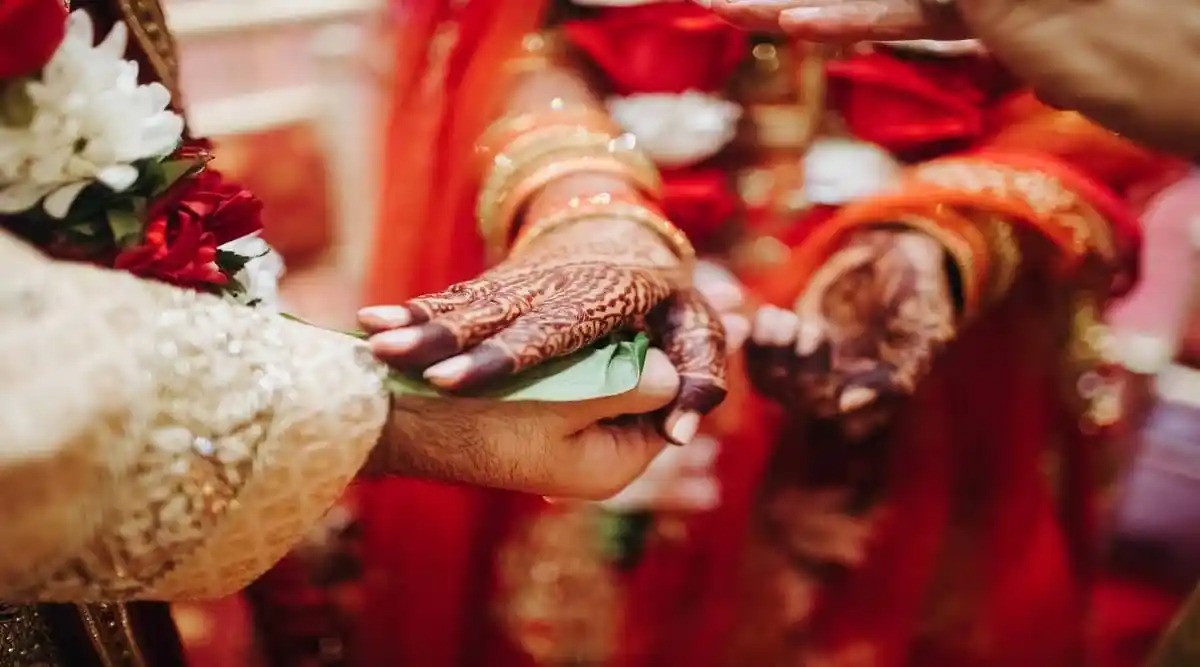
(607, 208)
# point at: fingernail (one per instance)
(785, 327)
(856, 397)
(760, 333)
(808, 338)
(392, 316)
(682, 426)
(804, 13)
(450, 371)
(737, 329)
(399, 340)
(773, 327)
(857, 12)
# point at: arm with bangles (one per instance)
(570, 205)
(889, 282)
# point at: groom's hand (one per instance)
(1127, 64)
(587, 450)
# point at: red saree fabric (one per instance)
(427, 545)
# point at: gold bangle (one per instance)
(604, 205)
(531, 149)
(584, 207)
(1005, 252)
(511, 184)
(963, 242)
(562, 166)
(498, 137)
(530, 145)
(497, 230)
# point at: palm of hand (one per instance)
(865, 332)
(570, 289)
(1098, 57)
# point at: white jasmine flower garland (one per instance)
(91, 122)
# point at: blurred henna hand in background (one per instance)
(862, 335)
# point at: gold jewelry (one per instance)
(529, 151)
(966, 245)
(498, 137)
(514, 179)
(1005, 255)
(561, 166)
(606, 205)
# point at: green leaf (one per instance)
(610, 367)
(232, 262)
(125, 225)
(623, 537)
(173, 171)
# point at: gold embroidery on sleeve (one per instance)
(148, 24)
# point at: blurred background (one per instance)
(293, 92)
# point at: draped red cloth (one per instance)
(982, 424)
(428, 545)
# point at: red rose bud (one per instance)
(30, 32)
(661, 47)
(185, 228)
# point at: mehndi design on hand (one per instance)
(690, 332)
(566, 291)
(864, 333)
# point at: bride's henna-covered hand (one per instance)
(863, 334)
(562, 293)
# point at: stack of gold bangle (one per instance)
(605, 205)
(528, 152)
(967, 246)
(985, 251)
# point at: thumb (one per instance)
(658, 386)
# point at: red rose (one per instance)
(187, 225)
(661, 47)
(30, 32)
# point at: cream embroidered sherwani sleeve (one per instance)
(156, 443)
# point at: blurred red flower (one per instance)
(30, 31)
(661, 47)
